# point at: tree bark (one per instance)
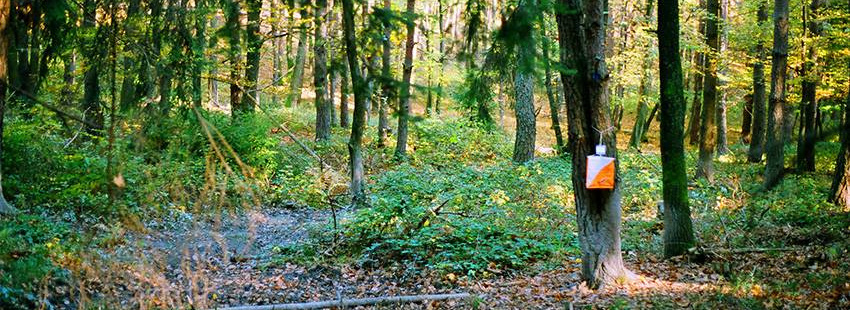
(197, 49)
(705, 164)
(252, 58)
(128, 87)
(343, 95)
(387, 91)
(721, 146)
(355, 151)
(442, 50)
(696, 101)
(645, 85)
(840, 191)
(678, 229)
(757, 140)
(5, 20)
(407, 72)
(320, 72)
(232, 25)
(747, 118)
(809, 105)
(277, 54)
(297, 80)
(581, 29)
(91, 106)
(524, 82)
(554, 102)
(775, 165)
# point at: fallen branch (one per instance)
(751, 250)
(431, 212)
(51, 107)
(353, 302)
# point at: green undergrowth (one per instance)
(459, 205)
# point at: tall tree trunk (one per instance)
(809, 108)
(386, 79)
(581, 29)
(554, 103)
(355, 143)
(747, 118)
(699, 75)
(333, 75)
(5, 20)
(524, 82)
(93, 111)
(407, 72)
(252, 58)
(705, 165)
(277, 54)
(129, 96)
(645, 85)
(297, 80)
(343, 95)
(232, 25)
(333, 70)
(198, 46)
(721, 146)
(775, 165)
(442, 51)
(757, 141)
(840, 191)
(320, 73)
(678, 229)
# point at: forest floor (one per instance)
(249, 274)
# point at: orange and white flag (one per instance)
(600, 172)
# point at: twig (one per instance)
(432, 212)
(340, 303)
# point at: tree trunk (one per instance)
(554, 103)
(581, 29)
(524, 83)
(775, 165)
(333, 75)
(721, 146)
(645, 85)
(407, 72)
(297, 80)
(91, 106)
(129, 96)
(747, 118)
(705, 165)
(809, 107)
(757, 141)
(232, 25)
(252, 58)
(678, 229)
(840, 191)
(386, 80)
(320, 73)
(442, 60)
(5, 20)
(343, 95)
(197, 48)
(277, 57)
(696, 101)
(355, 151)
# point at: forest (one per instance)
(430, 154)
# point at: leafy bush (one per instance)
(29, 246)
(467, 219)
